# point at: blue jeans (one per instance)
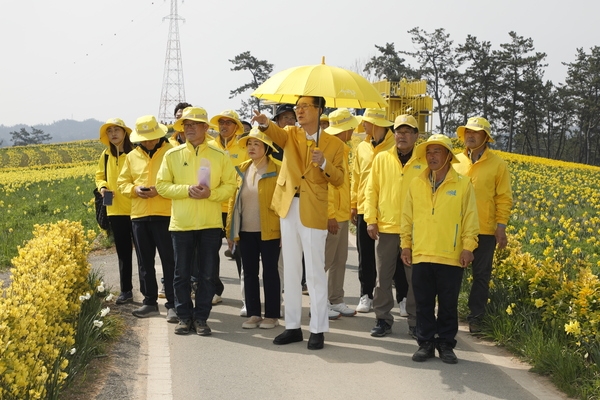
(199, 247)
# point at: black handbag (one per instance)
(101, 215)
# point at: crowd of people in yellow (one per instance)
(283, 193)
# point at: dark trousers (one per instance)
(199, 247)
(400, 280)
(122, 233)
(219, 287)
(482, 273)
(366, 258)
(151, 234)
(431, 281)
(253, 249)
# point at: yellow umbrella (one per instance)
(339, 87)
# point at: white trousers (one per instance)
(296, 238)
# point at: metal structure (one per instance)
(173, 90)
(408, 97)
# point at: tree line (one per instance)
(506, 85)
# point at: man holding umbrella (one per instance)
(311, 161)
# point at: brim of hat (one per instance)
(178, 125)
(214, 121)
(359, 128)
(334, 130)
(104, 136)
(422, 148)
(381, 122)
(244, 142)
(404, 123)
(136, 137)
(460, 132)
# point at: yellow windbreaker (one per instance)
(361, 167)
(121, 204)
(338, 205)
(439, 226)
(387, 187)
(236, 153)
(491, 180)
(141, 170)
(179, 170)
(269, 221)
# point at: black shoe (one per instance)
(316, 341)
(183, 327)
(446, 353)
(381, 329)
(425, 352)
(289, 336)
(202, 328)
(146, 311)
(412, 331)
(124, 297)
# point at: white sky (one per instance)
(80, 59)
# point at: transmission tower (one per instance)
(173, 91)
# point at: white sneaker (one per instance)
(365, 304)
(217, 299)
(243, 311)
(343, 309)
(402, 307)
(333, 314)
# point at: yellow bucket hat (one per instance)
(231, 115)
(324, 117)
(255, 133)
(147, 128)
(406, 119)
(436, 139)
(112, 122)
(377, 116)
(197, 114)
(341, 120)
(477, 124)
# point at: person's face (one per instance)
(195, 132)
(286, 118)
(474, 139)
(227, 127)
(256, 149)
(179, 113)
(247, 128)
(345, 136)
(368, 127)
(115, 134)
(324, 124)
(436, 156)
(150, 144)
(405, 138)
(306, 112)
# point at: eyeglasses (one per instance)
(226, 122)
(303, 107)
(187, 125)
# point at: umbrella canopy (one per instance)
(339, 87)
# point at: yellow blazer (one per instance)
(298, 175)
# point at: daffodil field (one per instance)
(544, 297)
(56, 184)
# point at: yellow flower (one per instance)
(539, 303)
(509, 309)
(573, 328)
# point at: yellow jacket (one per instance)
(491, 180)
(237, 154)
(269, 221)
(338, 205)
(361, 167)
(141, 170)
(298, 175)
(121, 204)
(179, 170)
(439, 226)
(386, 189)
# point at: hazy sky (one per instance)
(85, 59)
